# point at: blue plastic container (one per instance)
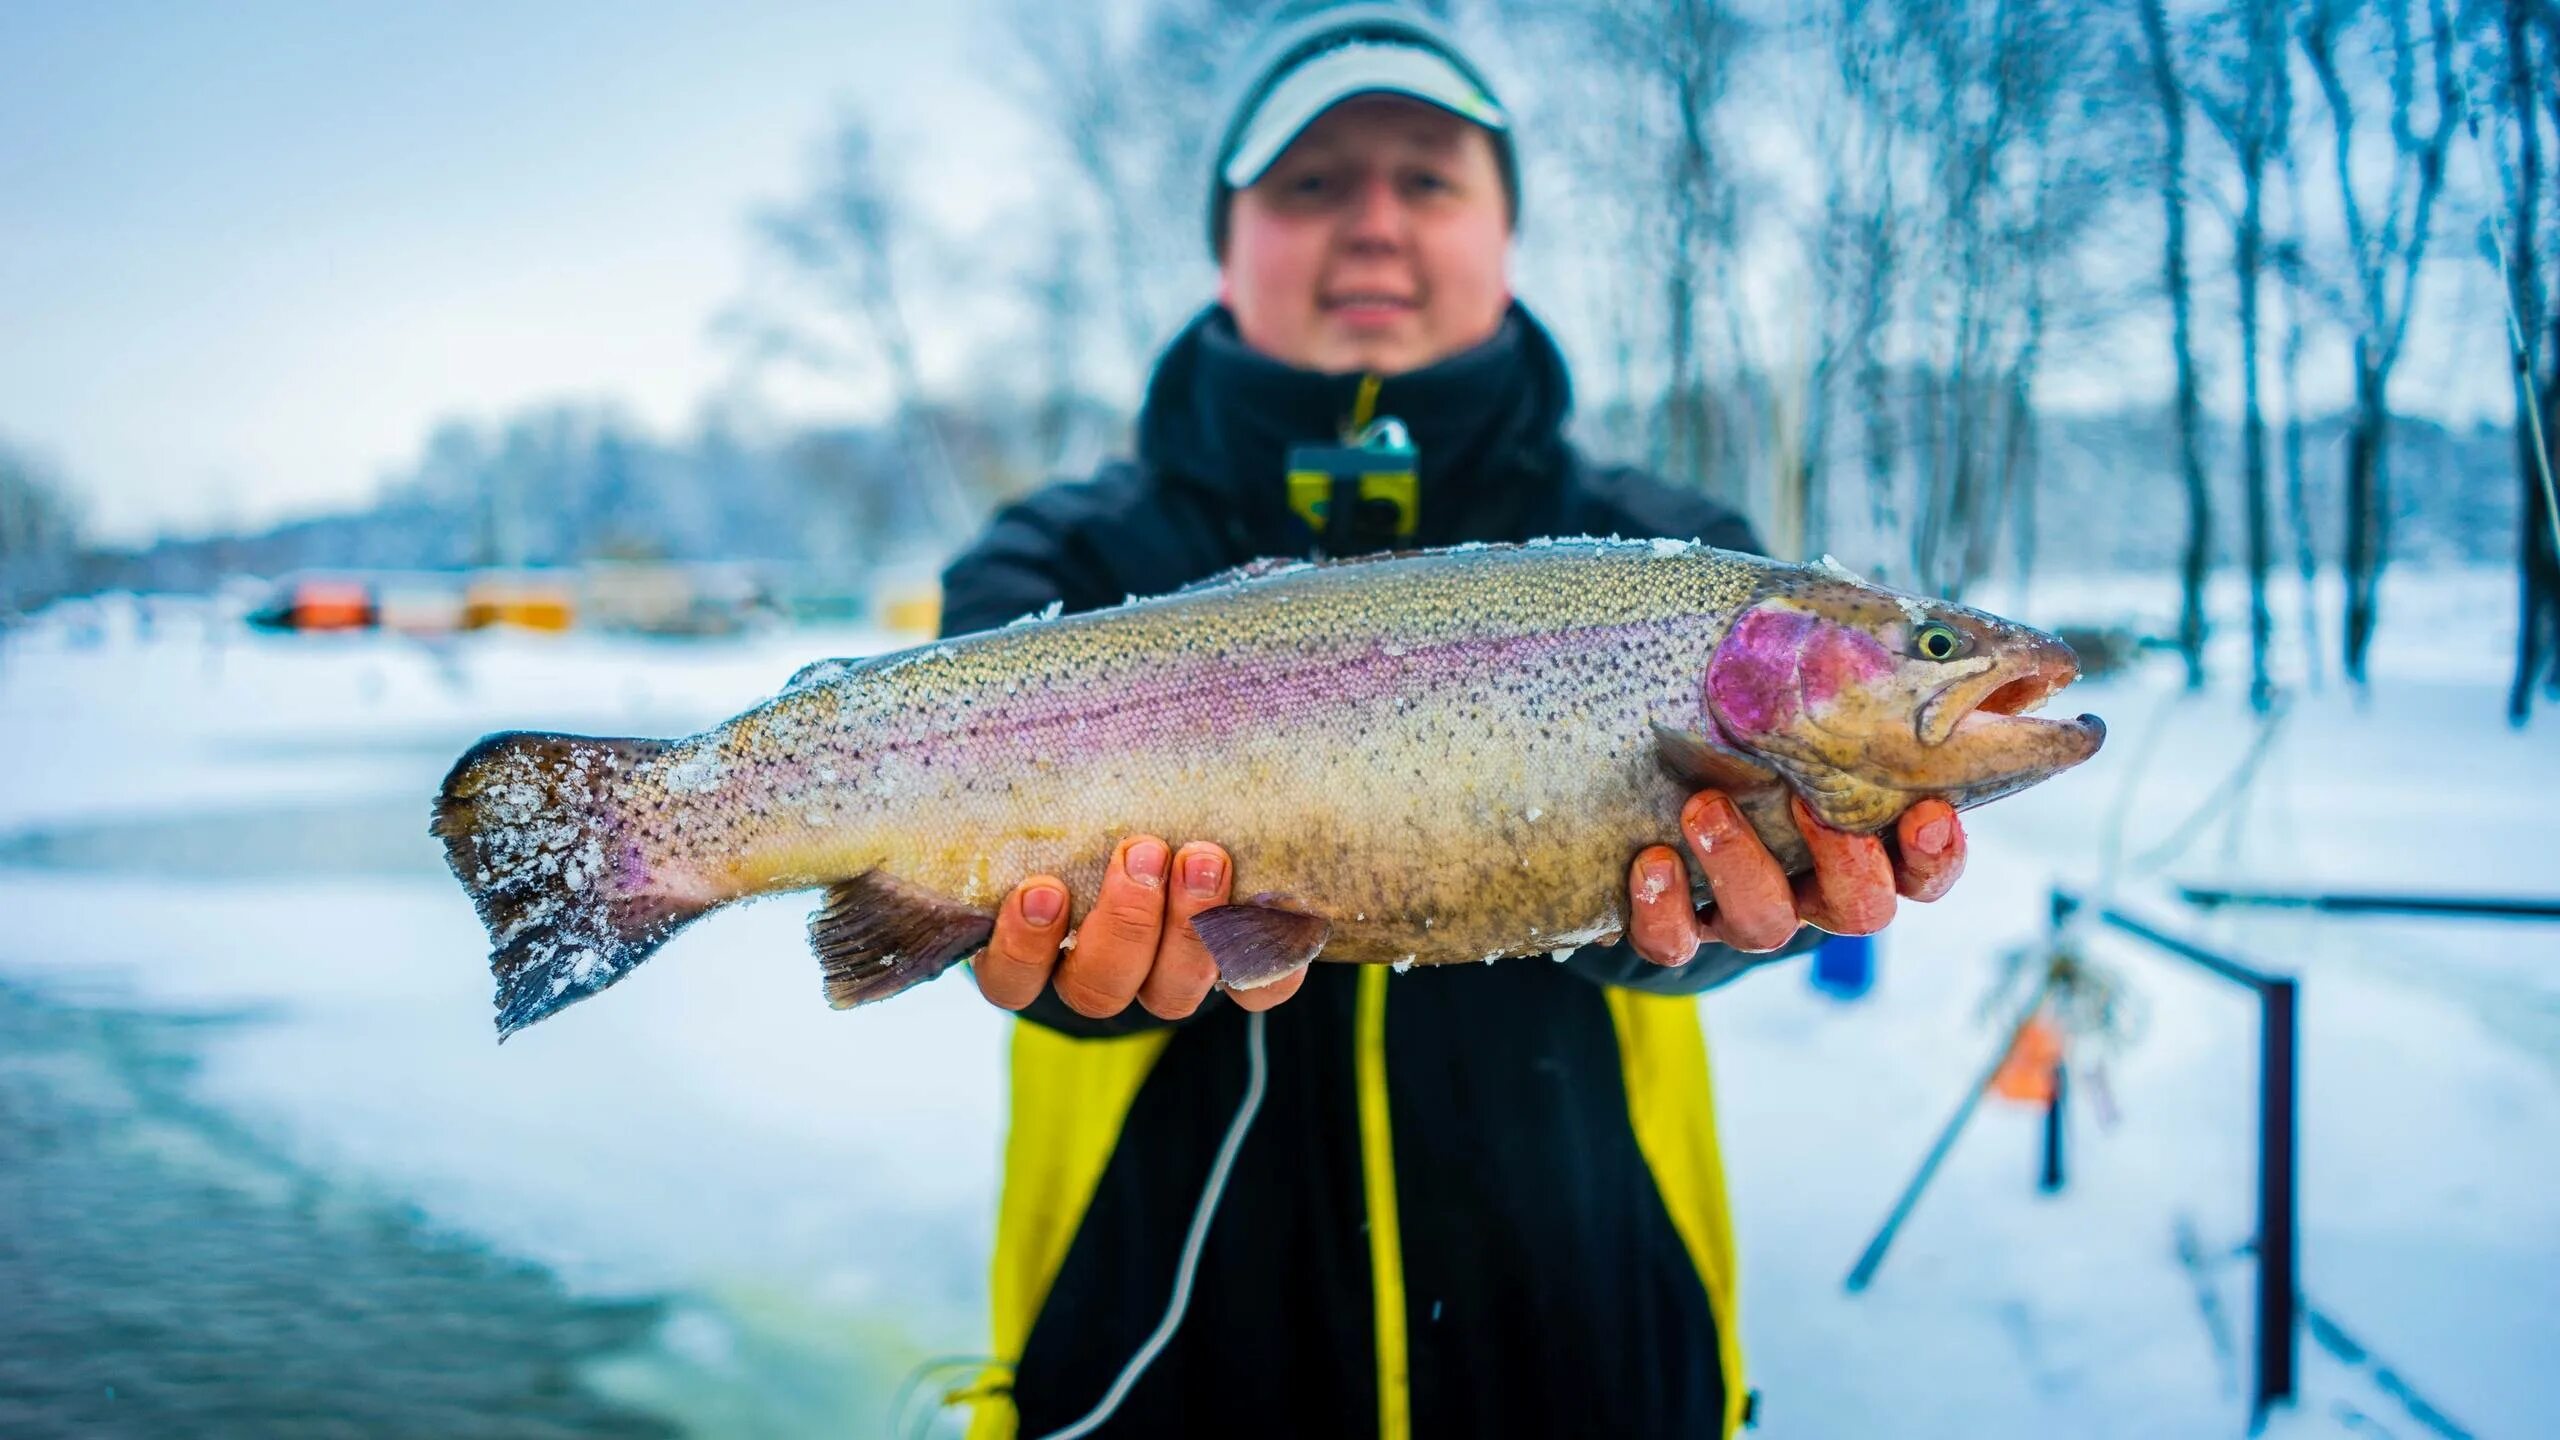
(1844, 966)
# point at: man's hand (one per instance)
(1850, 890)
(1136, 943)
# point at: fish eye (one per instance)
(1937, 641)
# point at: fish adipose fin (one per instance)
(1256, 944)
(530, 825)
(878, 936)
(1707, 763)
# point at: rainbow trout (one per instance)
(1423, 758)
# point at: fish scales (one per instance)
(1365, 749)
(1449, 756)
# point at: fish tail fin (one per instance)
(533, 826)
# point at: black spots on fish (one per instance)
(877, 935)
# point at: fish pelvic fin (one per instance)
(1256, 944)
(533, 827)
(877, 936)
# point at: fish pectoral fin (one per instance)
(1707, 763)
(1256, 944)
(877, 936)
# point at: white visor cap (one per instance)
(1360, 68)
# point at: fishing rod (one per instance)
(2062, 971)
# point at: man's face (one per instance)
(1379, 241)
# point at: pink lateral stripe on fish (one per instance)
(1427, 758)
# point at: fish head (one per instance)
(1866, 699)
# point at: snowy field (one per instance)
(195, 820)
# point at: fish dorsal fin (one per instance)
(1707, 763)
(1272, 565)
(822, 672)
(878, 936)
(1256, 944)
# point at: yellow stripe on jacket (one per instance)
(1662, 1048)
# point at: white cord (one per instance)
(1257, 1074)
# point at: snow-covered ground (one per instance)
(203, 819)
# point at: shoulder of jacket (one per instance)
(1108, 496)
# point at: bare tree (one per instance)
(1057, 303)
(2383, 248)
(1853, 249)
(2532, 82)
(2297, 505)
(845, 240)
(1128, 94)
(39, 533)
(2018, 169)
(2251, 108)
(1676, 63)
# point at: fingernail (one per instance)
(1040, 904)
(1146, 862)
(1931, 838)
(1718, 822)
(1657, 880)
(1200, 874)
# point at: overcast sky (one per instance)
(249, 253)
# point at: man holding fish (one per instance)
(1248, 1194)
(1482, 1199)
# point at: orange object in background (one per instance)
(330, 605)
(526, 605)
(2026, 1075)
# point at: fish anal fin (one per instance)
(1256, 943)
(876, 936)
(1708, 764)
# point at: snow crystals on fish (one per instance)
(818, 673)
(700, 771)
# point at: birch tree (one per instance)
(2251, 107)
(2386, 245)
(847, 242)
(2528, 49)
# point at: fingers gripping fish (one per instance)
(1435, 757)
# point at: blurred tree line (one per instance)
(39, 533)
(1826, 260)
(1951, 289)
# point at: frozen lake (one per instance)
(708, 1202)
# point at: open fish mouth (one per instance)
(2085, 728)
(2005, 697)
